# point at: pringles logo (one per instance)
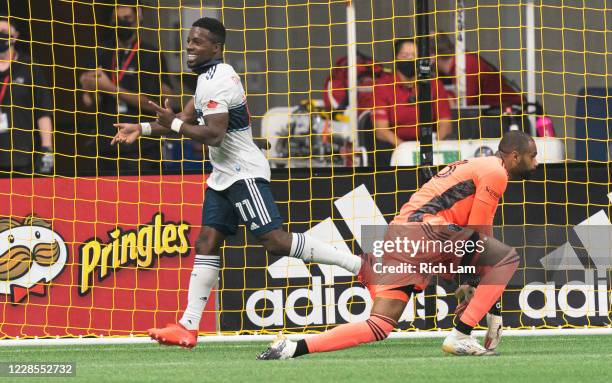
(31, 255)
(134, 247)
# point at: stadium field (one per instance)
(528, 359)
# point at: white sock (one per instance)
(312, 250)
(203, 278)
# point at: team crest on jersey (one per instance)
(212, 104)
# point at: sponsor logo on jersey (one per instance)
(212, 104)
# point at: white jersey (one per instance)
(219, 90)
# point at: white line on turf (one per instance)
(264, 338)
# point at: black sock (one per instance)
(301, 348)
(496, 309)
(463, 328)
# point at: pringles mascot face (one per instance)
(31, 255)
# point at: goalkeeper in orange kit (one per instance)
(463, 194)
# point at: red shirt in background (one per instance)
(336, 90)
(397, 104)
(485, 84)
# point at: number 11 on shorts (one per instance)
(247, 208)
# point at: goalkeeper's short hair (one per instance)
(515, 140)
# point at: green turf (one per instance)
(524, 359)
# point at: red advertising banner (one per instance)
(97, 256)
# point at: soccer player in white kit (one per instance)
(239, 186)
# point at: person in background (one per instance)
(485, 85)
(129, 74)
(26, 101)
(395, 117)
(369, 75)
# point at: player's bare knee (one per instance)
(276, 242)
(381, 326)
(512, 253)
(512, 257)
(506, 258)
(203, 246)
(497, 252)
(390, 308)
(207, 242)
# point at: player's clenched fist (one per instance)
(126, 133)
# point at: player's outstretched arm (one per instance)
(211, 133)
(189, 113)
(128, 133)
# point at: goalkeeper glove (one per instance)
(495, 323)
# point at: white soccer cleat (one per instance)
(280, 348)
(494, 333)
(461, 344)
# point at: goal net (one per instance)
(100, 242)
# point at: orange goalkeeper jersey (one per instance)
(464, 193)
